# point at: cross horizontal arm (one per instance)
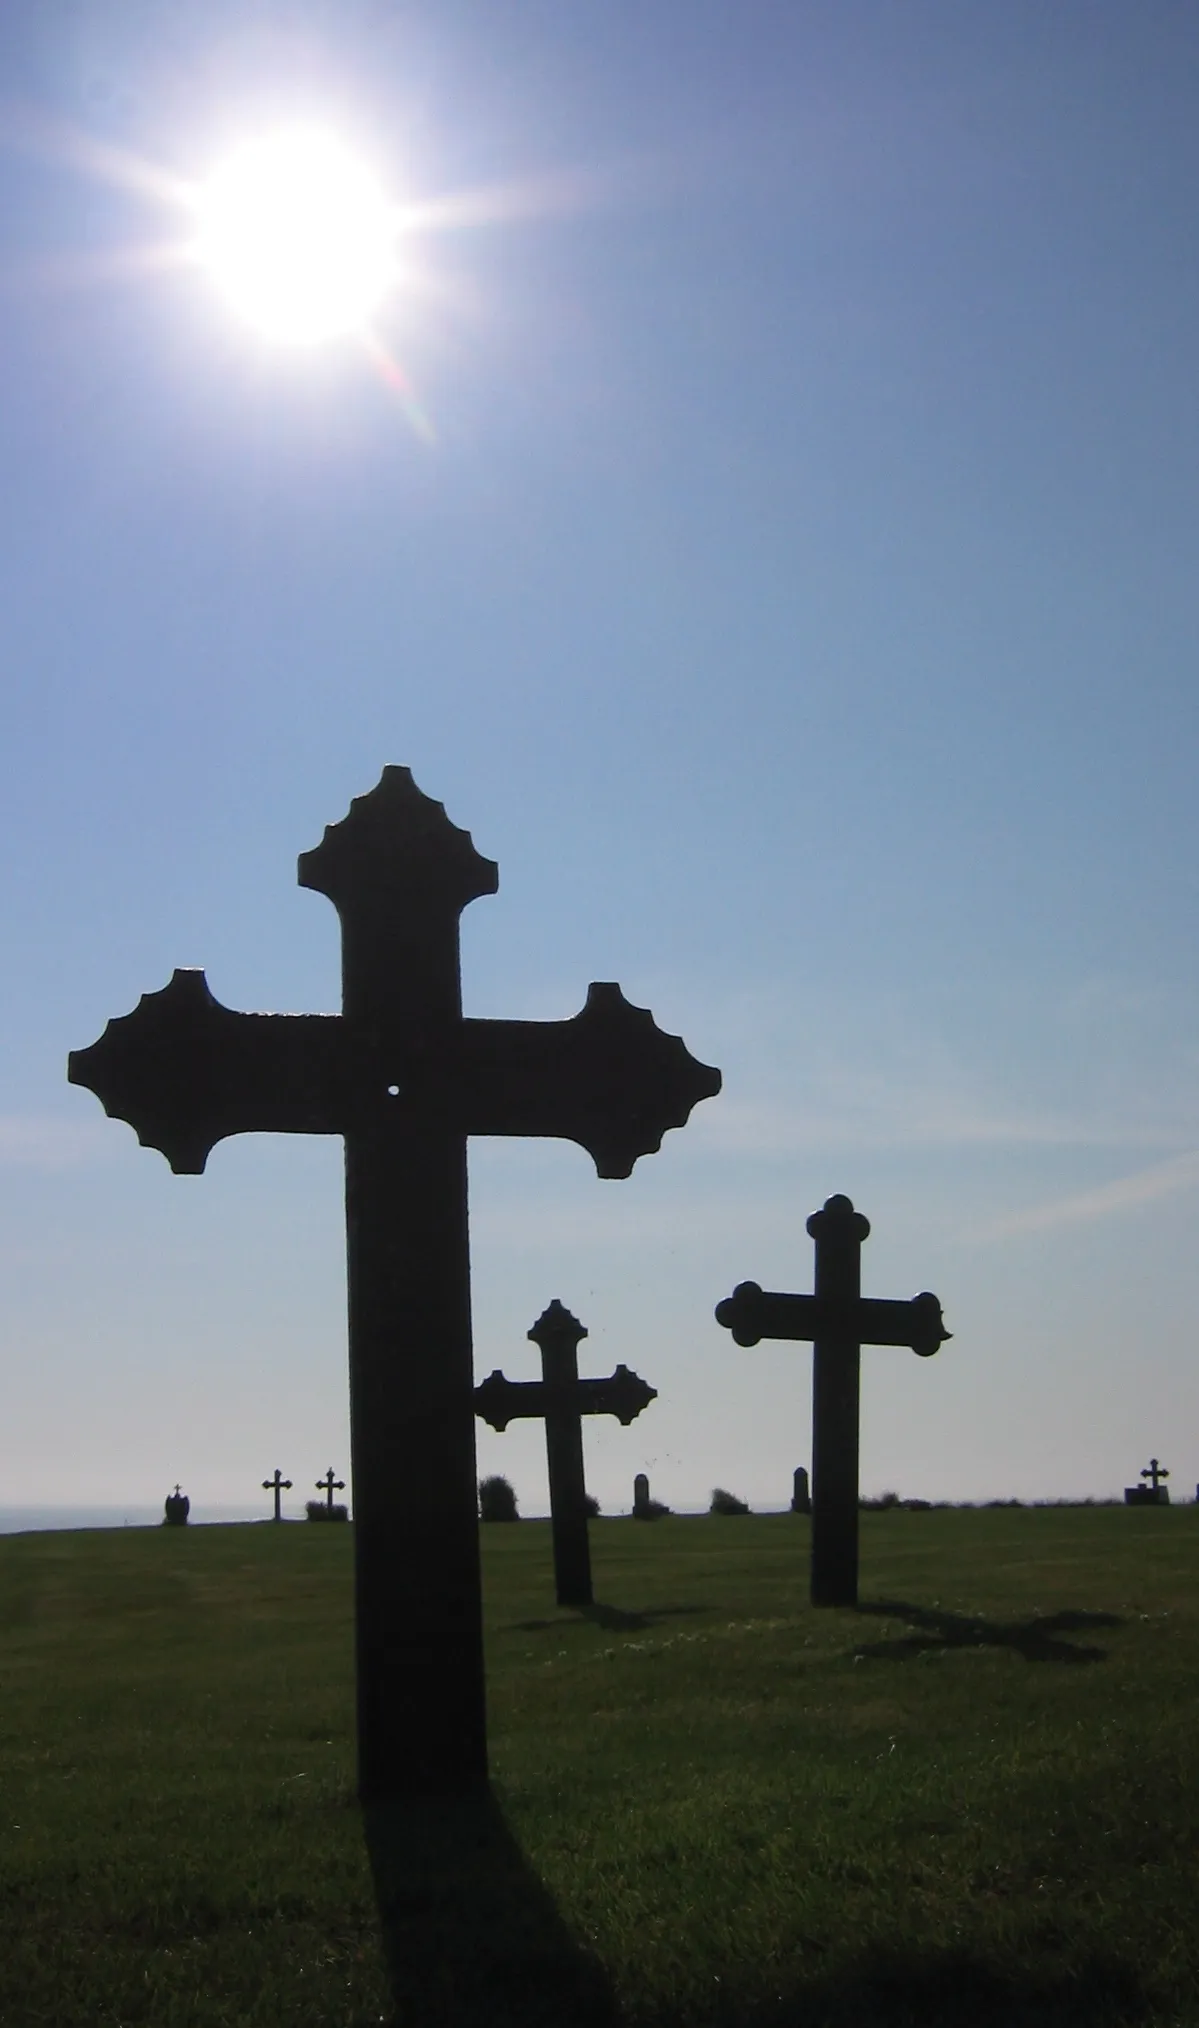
(186, 1072)
(609, 1079)
(752, 1314)
(623, 1394)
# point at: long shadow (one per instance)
(931, 1988)
(471, 1937)
(613, 1617)
(1037, 1640)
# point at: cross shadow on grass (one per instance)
(615, 1618)
(470, 1936)
(934, 1632)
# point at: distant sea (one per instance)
(16, 1520)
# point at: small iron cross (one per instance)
(275, 1486)
(563, 1399)
(838, 1320)
(1155, 1473)
(328, 1486)
(405, 1079)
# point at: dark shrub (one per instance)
(726, 1503)
(497, 1500)
(884, 1500)
(591, 1506)
(177, 1508)
(653, 1510)
(319, 1510)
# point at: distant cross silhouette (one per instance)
(838, 1320)
(405, 1079)
(1154, 1472)
(177, 1507)
(328, 1486)
(269, 1485)
(563, 1399)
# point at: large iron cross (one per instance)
(563, 1399)
(404, 1078)
(838, 1320)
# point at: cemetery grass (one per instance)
(970, 1801)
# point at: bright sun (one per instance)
(299, 236)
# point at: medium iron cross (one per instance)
(838, 1320)
(405, 1079)
(1155, 1473)
(563, 1399)
(276, 1486)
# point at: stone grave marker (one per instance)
(176, 1509)
(640, 1497)
(838, 1320)
(275, 1486)
(801, 1493)
(404, 1078)
(563, 1399)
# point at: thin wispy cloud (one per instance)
(1146, 1186)
(904, 1118)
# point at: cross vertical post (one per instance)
(562, 1400)
(838, 1231)
(418, 1619)
(273, 1486)
(404, 1078)
(838, 1320)
(557, 1334)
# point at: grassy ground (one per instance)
(973, 1801)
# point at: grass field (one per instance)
(975, 1800)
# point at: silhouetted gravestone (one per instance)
(177, 1509)
(640, 1496)
(838, 1320)
(275, 1485)
(1155, 1494)
(405, 1078)
(801, 1495)
(563, 1399)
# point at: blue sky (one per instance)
(791, 584)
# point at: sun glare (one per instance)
(299, 236)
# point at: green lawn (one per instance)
(973, 1801)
